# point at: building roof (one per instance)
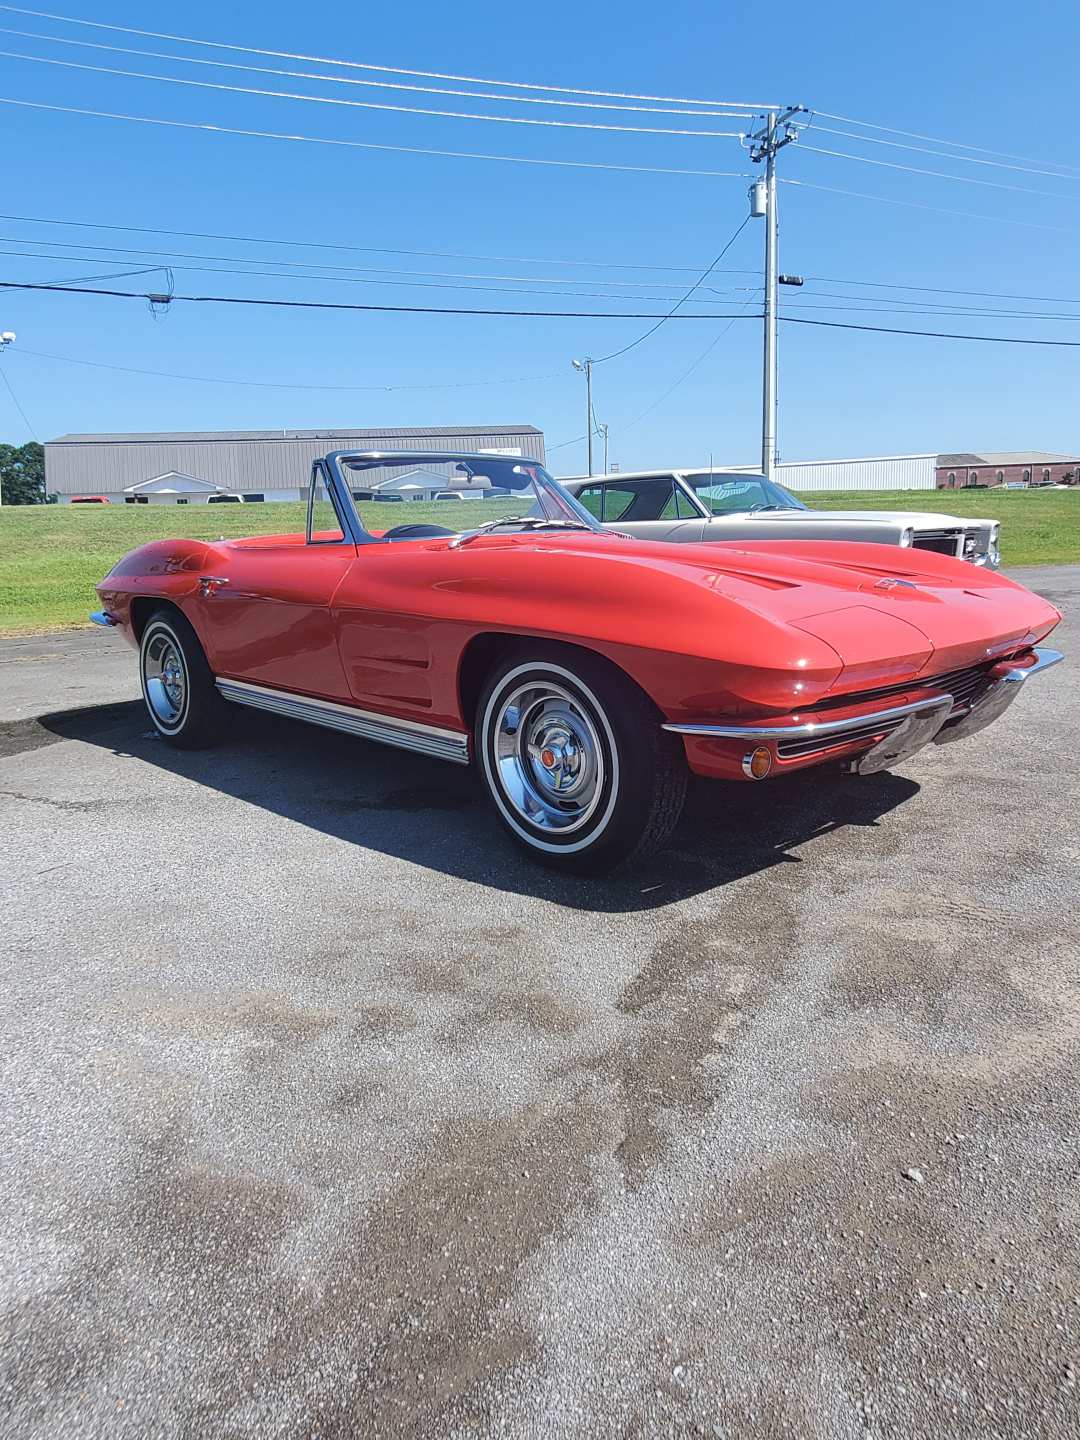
(1006, 457)
(180, 437)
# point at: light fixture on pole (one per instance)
(8, 337)
(585, 366)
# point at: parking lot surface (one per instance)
(325, 1114)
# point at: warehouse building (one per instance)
(1006, 467)
(193, 467)
(881, 472)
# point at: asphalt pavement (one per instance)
(324, 1113)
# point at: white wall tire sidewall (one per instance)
(600, 825)
(155, 627)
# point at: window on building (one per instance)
(1046, 477)
(181, 500)
(255, 495)
(952, 477)
(1027, 476)
(1000, 476)
(973, 477)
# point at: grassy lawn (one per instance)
(51, 556)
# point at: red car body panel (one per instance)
(709, 632)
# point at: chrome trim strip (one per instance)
(101, 617)
(452, 745)
(812, 727)
(1045, 657)
(997, 699)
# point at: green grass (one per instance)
(52, 556)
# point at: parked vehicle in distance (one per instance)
(460, 494)
(224, 499)
(584, 673)
(377, 495)
(695, 505)
(88, 500)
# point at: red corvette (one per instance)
(583, 672)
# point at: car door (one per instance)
(266, 617)
(655, 508)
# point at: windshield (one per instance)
(458, 494)
(738, 494)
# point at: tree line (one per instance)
(22, 474)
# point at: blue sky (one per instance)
(1001, 77)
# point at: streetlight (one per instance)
(8, 337)
(585, 366)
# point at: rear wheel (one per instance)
(573, 757)
(177, 683)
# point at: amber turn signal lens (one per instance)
(758, 763)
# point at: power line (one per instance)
(937, 174)
(284, 384)
(683, 377)
(941, 154)
(354, 249)
(376, 309)
(371, 145)
(368, 104)
(381, 69)
(495, 259)
(934, 209)
(679, 303)
(15, 402)
(938, 290)
(240, 269)
(366, 271)
(914, 135)
(931, 334)
(374, 84)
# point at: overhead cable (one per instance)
(369, 104)
(372, 84)
(382, 69)
(372, 145)
(936, 174)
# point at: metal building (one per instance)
(189, 467)
(880, 472)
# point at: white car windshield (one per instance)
(740, 494)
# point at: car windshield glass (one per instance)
(460, 493)
(739, 494)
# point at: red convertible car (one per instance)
(583, 672)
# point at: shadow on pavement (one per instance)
(397, 803)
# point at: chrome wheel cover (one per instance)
(164, 678)
(547, 756)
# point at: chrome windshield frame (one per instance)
(336, 463)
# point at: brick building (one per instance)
(1005, 467)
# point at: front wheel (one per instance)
(178, 684)
(573, 757)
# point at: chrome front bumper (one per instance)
(909, 727)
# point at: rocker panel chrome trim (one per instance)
(452, 745)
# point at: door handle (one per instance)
(211, 584)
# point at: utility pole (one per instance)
(765, 144)
(585, 366)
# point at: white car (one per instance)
(696, 505)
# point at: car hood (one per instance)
(854, 615)
(916, 519)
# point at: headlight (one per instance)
(907, 537)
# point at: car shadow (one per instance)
(394, 802)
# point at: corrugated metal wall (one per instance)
(891, 472)
(108, 467)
